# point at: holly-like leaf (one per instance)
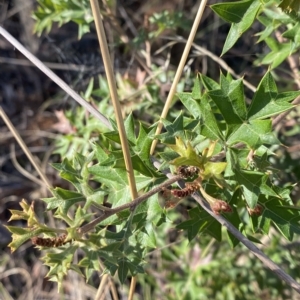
(21, 235)
(263, 104)
(240, 14)
(63, 199)
(141, 158)
(68, 172)
(27, 214)
(267, 102)
(210, 125)
(109, 176)
(59, 263)
(284, 217)
(188, 155)
(90, 263)
(201, 222)
(214, 170)
(279, 52)
(196, 92)
(253, 184)
(231, 102)
(209, 83)
(190, 103)
(234, 219)
(232, 12)
(254, 133)
(173, 130)
(130, 129)
(293, 33)
(123, 269)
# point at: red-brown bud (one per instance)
(49, 242)
(220, 206)
(256, 211)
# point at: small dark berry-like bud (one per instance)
(221, 206)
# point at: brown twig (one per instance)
(236, 233)
(130, 205)
(257, 252)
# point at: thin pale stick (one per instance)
(132, 288)
(25, 173)
(113, 92)
(55, 78)
(102, 286)
(14, 131)
(116, 104)
(179, 70)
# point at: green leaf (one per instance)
(201, 222)
(287, 96)
(188, 155)
(21, 235)
(90, 263)
(278, 54)
(109, 176)
(143, 168)
(253, 184)
(285, 218)
(210, 124)
(265, 103)
(68, 172)
(123, 269)
(234, 219)
(142, 148)
(209, 83)
(190, 103)
(129, 129)
(232, 12)
(63, 199)
(241, 14)
(254, 133)
(174, 129)
(293, 33)
(231, 103)
(196, 92)
(59, 263)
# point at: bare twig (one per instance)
(224, 222)
(55, 78)
(23, 146)
(57, 66)
(21, 169)
(257, 252)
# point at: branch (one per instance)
(130, 205)
(256, 251)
